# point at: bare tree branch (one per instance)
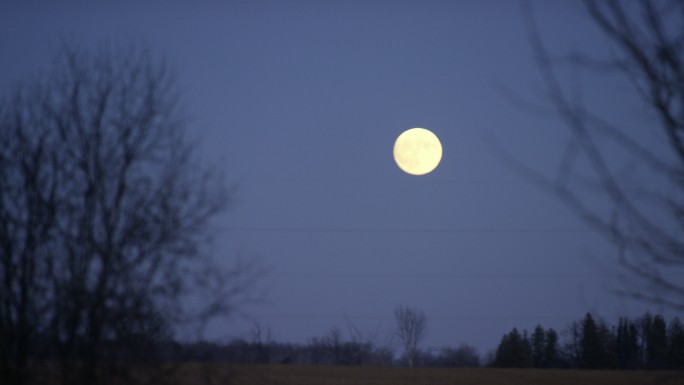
(411, 330)
(644, 222)
(104, 218)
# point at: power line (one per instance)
(496, 275)
(322, 180)
(283, 229)
(432, 317)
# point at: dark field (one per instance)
(339, 375)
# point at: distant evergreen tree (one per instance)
(513, 351)
(607, 347)
(538, 343)
(597, 345)
(627, 344)
(644, 329)
(656, 344)
(551, 349)
(506, 351)
(621, 343)
(572, 349)
(675, 354)
(634, 339)
(527, 349)
(590, 346)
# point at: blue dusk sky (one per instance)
(300, 102)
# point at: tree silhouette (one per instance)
(514, 351)
(590, 343)
(103, 218)
(410, 330)
(675, 336)
(656, 344)
(551, 349)
(538, 343)
(644, 185)
(627, 344)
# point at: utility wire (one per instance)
(284, 229)
(438, 317)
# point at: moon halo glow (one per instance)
(417, 151)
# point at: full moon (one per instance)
(417, 151)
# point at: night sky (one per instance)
(300, 102)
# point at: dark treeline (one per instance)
(648, 342)
(318, 351)
(244, 351)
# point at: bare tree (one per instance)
(104, 215)
(639, 172)
(262, 339)
(410, 330)
(365, 344)
(27, 220)
(334, 345)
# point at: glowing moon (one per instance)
(417, 151)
